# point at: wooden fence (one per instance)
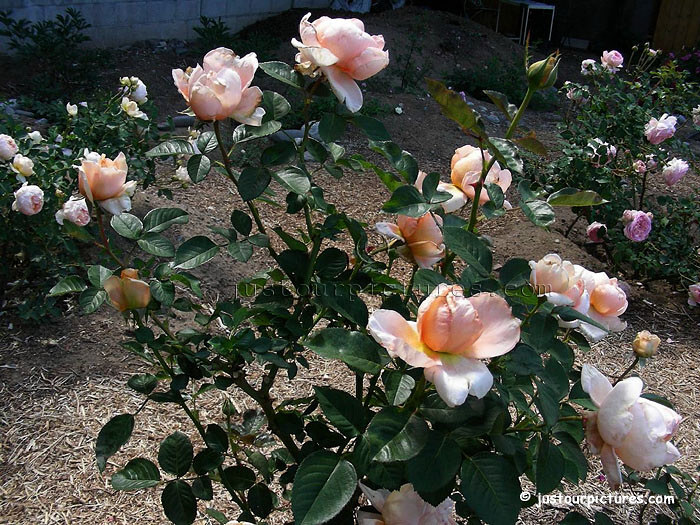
(678, 25)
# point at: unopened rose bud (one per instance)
(127, 292)
(543, 74)
(646, 344)
(72, 109)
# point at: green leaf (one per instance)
(97, 275)
(261, 500)
(339, 298)
(514, 274)
(202, 488)
(539, 212)
(175, 454)
(66, 285)
(294, 179)
(495, 194)
(393, 435)
(401, 160)
(161, 219)
(569, 314)
(472, 250)
(138, 474)
(435, 465)
(331, 127)
(373, 128)
(218, 516)
(245, 132)
(407, 200)
(91, 299)
(179, 503)
(242, 222)
(501, 102)
(195, 252)
(127, 225)
(275, 105)
(239, 477)
(531, 144)
(143, 383)
(507, 154)
(207, 142)
(317, 150)
(216, 438)
(549, 468)
(253, 182)
(398, 386)
(282, 72)
(331, 263)
(172, 147)
(157, 245)
(355, 349)
(491, 487)
(279, 153)
(241, 250)
(344, 411)
(207, 460)
(112, 437)
(198, 167)
(323, 485)
(163, 292)
(454, 107)
(574, 197)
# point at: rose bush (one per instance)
(466, 379)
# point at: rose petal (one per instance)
(247, 111)
(614, 417)
(595, 384)
(344, 87)
(501, 330)
(400, 338)
(457, 377)
(611, 467)
(389, 229)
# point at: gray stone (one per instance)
(24, 113)
(493, 119)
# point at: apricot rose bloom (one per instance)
(422, 237)
(404, 507)
(343, 52)
(646, 344)
(103, 181)
(221, 87)
(450, 336)
(127, 292)
(627, 426)
(560, 281)
(608, 301)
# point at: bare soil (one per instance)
(62, 380)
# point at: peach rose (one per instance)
(221, 88)
(607, 303)
(29, 199)
(8, 147)
(103, 181)
(127, 292)
(404, 507)
(627, 426)
(422, 237)
(342, 50)
(646, 344)
(561, 282)
(466, 167)
(449, 337)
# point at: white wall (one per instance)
(116, 22)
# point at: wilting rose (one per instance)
(103, 181)
(612, 60)
(29, 199)
(608, 302)
(8, 147)
(674, 171)
(588, 66)
(135, 88)
(448, 339)
(627, 426)
(637, 224)
(72, 109)
(35, 137)
(75, 210)
(422, 237)
(694, 294)
(127, 292)
(23, 165)
(596, 231)
(404, 507)
(645, 344)
(221, 87)
(131, 108)
(343, 52)
(656, 131)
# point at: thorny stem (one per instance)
(627, 371)
(105, 241)
(535, 428)
(644, 189)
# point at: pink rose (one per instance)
(422, 237)
(29, 199)
(103, 181)
(596, 231)
(674, 171)
(221, 88)
(657, 131)
(637, 224)
(694, 294)
(343, 52)
(8, 147)
(450, 336)
(404, 507)
(612, 60)
(639, 166)
(627, 426)
(75, 210)
(588, 66)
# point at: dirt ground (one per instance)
(61, 381)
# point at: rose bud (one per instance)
(588, 66)
(543, 74)
(103, 181)
(127, 292)
(131, 108)
(8, 147)
(28, 199)
(422, 237)
(35, 137)
(75, 210)
(72, 109)
(596, 231)
(645, 344)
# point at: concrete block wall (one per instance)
(119, 22)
